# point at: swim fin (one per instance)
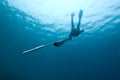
(36, 48)
(57, 44)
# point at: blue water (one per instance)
(94, 55)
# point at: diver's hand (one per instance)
(81, 31)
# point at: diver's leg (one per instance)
(72, 22)
(72, 26)
(79, 21)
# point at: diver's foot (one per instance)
(72, 14)
(80, 13)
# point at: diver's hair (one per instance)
(56, 44)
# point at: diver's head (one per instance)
(56, 44)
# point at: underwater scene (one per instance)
(63, 39)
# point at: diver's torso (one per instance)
(75, 32)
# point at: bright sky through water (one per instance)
(58, 11)
(51, 7)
